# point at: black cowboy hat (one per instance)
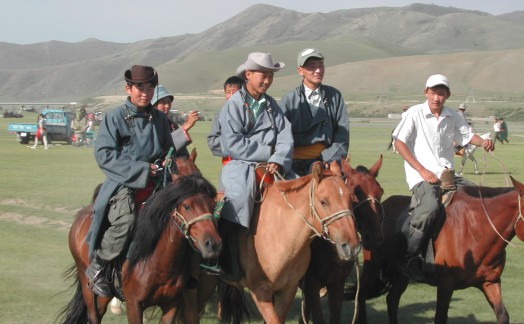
(141, 74)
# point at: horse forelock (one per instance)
(156, 213)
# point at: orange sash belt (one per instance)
(307, 152)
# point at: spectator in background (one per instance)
(318, 115)
(162, 101)
(496, 129)
(231, 85)
(41, 132)
(503, 133)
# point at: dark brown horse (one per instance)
(325, 268)
(172, 222)
(275, 253)
(469, 250)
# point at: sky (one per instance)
(126, 21)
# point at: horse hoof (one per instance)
(116, 306)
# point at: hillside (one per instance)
(370, 52)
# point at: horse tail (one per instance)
(76, 310)
(233, 304)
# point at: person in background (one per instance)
(162, 101)
(496, 129)
(459, 149)
(254, 130)
(231, 85)
(503, 133)
(41, 132)
(424, 139)
(318, 115)
(89, 127)
(132, 137)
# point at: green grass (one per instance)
(41, 190)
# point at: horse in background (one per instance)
(325, 268)
(469, 150)
(274, 254)
(469, 249)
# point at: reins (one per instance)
(519, 217)
(325, 222)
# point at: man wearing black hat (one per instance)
(318, 115)
(131, 138)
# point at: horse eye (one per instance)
(324, 202)
(187, 207)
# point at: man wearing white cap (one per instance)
(424, 138)
(318, 115)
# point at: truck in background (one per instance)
(58, 125)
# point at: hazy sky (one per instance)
(123, 21)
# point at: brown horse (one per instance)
(325, 268)
(469, 250)
(275, 253)
(172, 222)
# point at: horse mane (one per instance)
(485, 192)
(294, 184)
(156, 213)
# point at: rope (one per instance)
(357, 270)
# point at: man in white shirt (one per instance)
(424, 138)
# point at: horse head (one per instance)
(331, 206)
(519, 223)
(367, 194)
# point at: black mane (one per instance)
(154, 216)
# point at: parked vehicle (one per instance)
(58, 125)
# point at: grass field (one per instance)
(41, 190)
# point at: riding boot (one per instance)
(414, 242)
(97, 277)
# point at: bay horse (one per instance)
(325, 268)
(469, 249)
(274, 254)
(469, 150)
(172, 222)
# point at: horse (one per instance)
(469, 250)
(325, 268)
(469, 149)
(274, 254)
(171, 223)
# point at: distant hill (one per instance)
(372, 51)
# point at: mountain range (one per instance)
(369, 52)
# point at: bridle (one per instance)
(324, 222)
(185, 226)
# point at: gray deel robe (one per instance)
(124, 153)
(247, 144)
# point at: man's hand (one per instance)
(272, 167)
(429, 176)
(488, 145)
(192, 118)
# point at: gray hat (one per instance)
(258, 62)
(308, 53)
(160, 93)
(462, 106)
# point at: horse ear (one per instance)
(518, 186)
(316, 171)
(376, 167)
(193, 155)
(346, 168)
(335, 168)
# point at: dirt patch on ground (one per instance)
(35, 220)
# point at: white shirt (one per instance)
(431, 140)
(312, 96)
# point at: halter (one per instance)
(184, 226)
(325, 222)
(376, 201)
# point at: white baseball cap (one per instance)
(437, 79)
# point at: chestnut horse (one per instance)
(171, 223)
(325, 268)
(274, 254)
(469, 250)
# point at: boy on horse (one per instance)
(254, 130)
(424, 138)
(131, 138)
(318, 115)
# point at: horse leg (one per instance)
(493, 294)
(399, 283)
(135, 313)
(282, 302)
(263, 298)
(190, 305)
(168, 316)
(444, 294)
(96, 306)
(335, 297)
(475, 165)
(463, 162)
